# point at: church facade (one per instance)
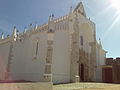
(63, 50)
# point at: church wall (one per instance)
(18, 61)
(35, 64)
(26, 65)
(100, 60)
(4, 53)
(61, 57)
(87, 32)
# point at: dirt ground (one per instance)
(87, 86)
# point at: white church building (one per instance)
(63, 50)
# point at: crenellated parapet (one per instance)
(32, 30)
(61, 19)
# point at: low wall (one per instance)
(26, 86)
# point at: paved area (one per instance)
(87, 86)
(26, 86)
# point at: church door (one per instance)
(81, 73)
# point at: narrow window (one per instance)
(81, 40)
(37, 48)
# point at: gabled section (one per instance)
(80, 9)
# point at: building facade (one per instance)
(111, 71)
(63, 50)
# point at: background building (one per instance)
(111, 71)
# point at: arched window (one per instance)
(35, 48)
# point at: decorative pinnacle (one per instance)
(100, 42)
(14, 31)
(51, 17)
(2, 35)
(71, 8)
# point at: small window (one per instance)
(81, 40)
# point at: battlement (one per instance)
(111, 61)
(61, 19)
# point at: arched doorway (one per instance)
(81, 73)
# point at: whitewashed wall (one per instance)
(88, 36)
(25, 65)
(61, 57)
(100, 59)
(35, 66)
(4, 53)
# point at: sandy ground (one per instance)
(87, 86)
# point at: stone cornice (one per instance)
(6, 40)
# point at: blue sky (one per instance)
(21, 13)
